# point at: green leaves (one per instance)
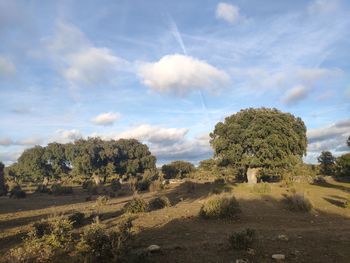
(259, 138)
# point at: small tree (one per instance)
(177, 169)
(327, 162)
(3, 188)
(343, 165)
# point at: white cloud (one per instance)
(78, 60)
(7, 68)
(154, 134)
(9, 157)
(332, 137)
(228, 12)
(311, 75)
(30, 141)
(324, 6)
(106, 119)
(295, 94)
(65, 136)
(181, 74)
(6, 141)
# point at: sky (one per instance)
(165, 72)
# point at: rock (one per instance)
(278, 257)
(241, 260)
(283, 237)
(252, 175)
(153, 248)
(251, 251)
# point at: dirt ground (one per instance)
(320, 236)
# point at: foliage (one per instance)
(76, 218)
(136, 205)
(327, 162)
(343, 165)
(207, 165)
(58, 189)
(42, 189)
(259, 138)
(156, 185)
(45, 242)
(97, 244)
(17, 192)
(243, 239)
(115, 185)
(159, 203)
(3, 188)
(262, 188)
(298, 202)
(90, 157)
(177, 169)
(224, 206)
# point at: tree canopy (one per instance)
(260, 137)
(177, 169)
(327, 162)
(84, 157)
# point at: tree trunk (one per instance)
(252, 175)
(46, 181)
(97, 179)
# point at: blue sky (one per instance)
(165, 72)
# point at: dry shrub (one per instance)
(136, 205)
(58, 189)
(156, 186)
(225, 206)
(97, 244)
(243, 239)
(298, 202)
(159, 203)
(133, 184)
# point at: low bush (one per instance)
(136, 205)
(77, 219)
(45, 242)
(86, 184)
(220, 207)
(58, 189)
(97, 244)
(143, 184)
(262, 188)
(243, 239)
(298, 202)
(42, 189)
(17, 192)
(92, 189)
(159, 202)
(115, 185)
(156, 186)
(219, 180)
(189, 186)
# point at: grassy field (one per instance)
(323, 235)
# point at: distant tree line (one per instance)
(92, 157)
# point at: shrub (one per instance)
(58, 189)
(143, 185)
(189, 186)
(159, 202)
(86, 184)
(156, 186)
(243, 239)
(319, 180)
(219, 181)
(220, 207)
(115, 185)
(92, 189)
(262, 188)
(17, 192)
(97, 244)
(136, 205)
(133, 184)
(47, 240)
(42, 189)
(76, 218)
(298, 202)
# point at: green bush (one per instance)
(159, 202)
(47, 240)
(243, 239)
(136, 205)
(97, 244)
(298, 202)
(58, 189)
(220, 207)
(17, 192)
(262, 188)
(77, 219)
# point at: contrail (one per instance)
(177, 35)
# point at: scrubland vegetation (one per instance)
(106, 201)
